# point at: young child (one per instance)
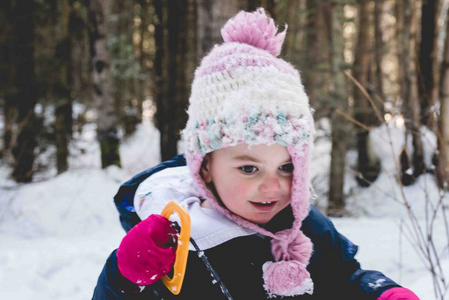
(245, 183)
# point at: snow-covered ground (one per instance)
(56, 234)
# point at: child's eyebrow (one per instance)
(246, 158)
(251, 158)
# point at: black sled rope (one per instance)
(216, 278)
(213, 273)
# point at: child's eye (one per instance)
(248, 169)
(287, 168)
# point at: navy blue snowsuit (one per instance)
(334, 270)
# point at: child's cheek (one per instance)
(243, 190)
(286, 184)
(233, 193)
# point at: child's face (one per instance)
(253, 183)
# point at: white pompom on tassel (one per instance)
(286, 278)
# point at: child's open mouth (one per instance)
(264, 206)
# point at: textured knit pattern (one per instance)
(243, 94)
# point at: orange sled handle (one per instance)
(174, 284)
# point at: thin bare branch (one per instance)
(366, 94)
(342, 113)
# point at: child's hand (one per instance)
(148, 251)
(398, 293)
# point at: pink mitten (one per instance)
(398, 293)
(148, 251)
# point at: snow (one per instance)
(56, 233)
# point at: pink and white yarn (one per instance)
(254, 29)
(243, 94)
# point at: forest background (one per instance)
(110, 65)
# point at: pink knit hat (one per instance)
(243, 94)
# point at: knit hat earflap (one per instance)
(243, 93)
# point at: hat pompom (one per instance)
(286, 278)
(255, 29)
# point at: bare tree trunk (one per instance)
(222, 12)
(296, 19)
(412, 111)
(159, 59)
(204, 27)
(176, 99)
(406, 36)
(379, 45)
(79, 48)
(107, 120)
(25, 93)
(271, 8)
(442, 170)
(170, 67)
(427, 61)
(7, 81)
(62, 90)
(336, 205)
(144, 56)
(313, 51)
(268, 5)
(63, 106)
(192, 43)
(63, 124)
(253, 4)
(212, 15)
(123, 58)
(169, 138)
(368, 166)
(401, 42)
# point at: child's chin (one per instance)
(260, 220)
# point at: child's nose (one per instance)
(270, 183)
